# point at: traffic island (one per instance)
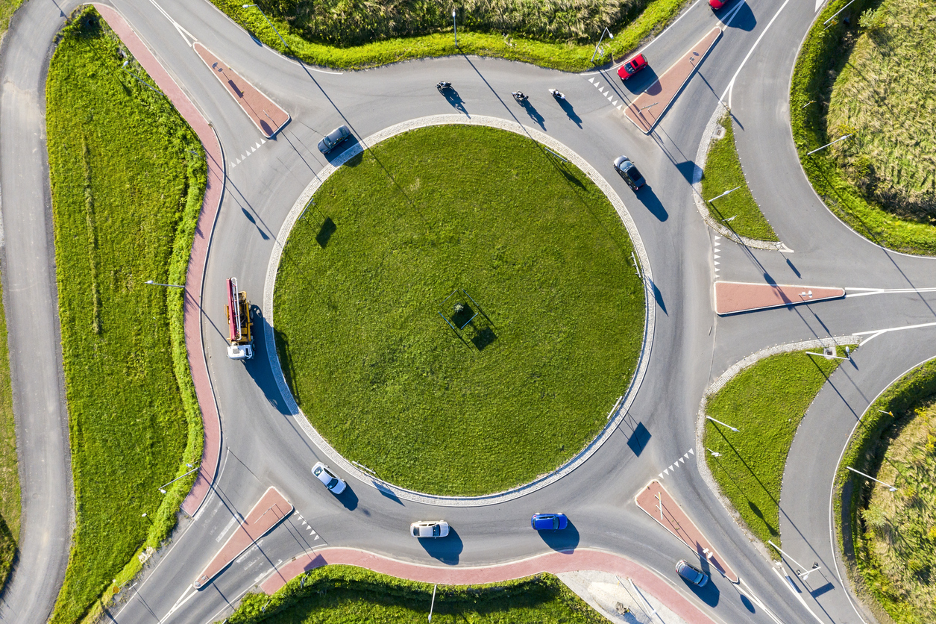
(737, 297)
(648, 108)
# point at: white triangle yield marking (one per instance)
(258, 145)
(597, 84)
(691, 451)
(238, 161)
(614, 103)
(682, 459)
(666, 470)
(610, 97)
(717, 256)
(262, 141)
(619, 106)
(661, 475)
(316, 537)
(304, 523)
(601, 91)
(686, 455)
(671, 467)
(718, 238)
(716, 263)
(252, 150)
(591, 80)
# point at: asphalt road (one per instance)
(263, 446)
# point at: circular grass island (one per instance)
(458, 310)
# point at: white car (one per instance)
(429, 528)
(328, 479)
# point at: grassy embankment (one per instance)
(125, 198)
(388, 381)
(722, 173)
(875, 82)
(348, 595)
(890, 538)
(766, 402)
(358, 34)
(9, 475)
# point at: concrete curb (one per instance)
(717, 385)
(701, 156)
(618, 411)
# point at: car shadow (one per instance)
(348, 498)
(649, 199)
(565, 540)
(642, 81)
(336, 155)
(708, 594)
(570, 112)
(744, 20)
(445, 549)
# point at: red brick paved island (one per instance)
(735, 297)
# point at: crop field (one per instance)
(766, 402)
(440, 399)
(360, 33)
(125, 197)
(347, 595)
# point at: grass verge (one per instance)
(824, 54)
(348, 595)
(563, 56)
(9, 472)
(766, 402)
(374, 356)
(722, 173)
(882, 422)
(125, 200)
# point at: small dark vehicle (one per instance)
(331, 140)
(520, 96)
(629, 171)
(443, 85)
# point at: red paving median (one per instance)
(734, 297)
(264, 112)
(196, 268)
(648, 108)
(555, 562)
(270, 510)
(657, 502)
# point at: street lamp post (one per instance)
(432, 606)
(722, 195)
(598, 45)
(890, 487)
(162, 488)
(819, 149)
(152, 283)
(247, 6)
(723, 424)
(714, 454)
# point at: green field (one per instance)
(766, 402)
(893, 119)
(365, 338)
(9, 475)
(348, 595)
(889, 538)
(722, 173)
(125, 198)
(354, 34)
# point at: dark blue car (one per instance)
(549, 522)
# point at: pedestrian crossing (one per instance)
(676, 464)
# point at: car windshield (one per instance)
(331, 484)
(630, 67)
(555, 523)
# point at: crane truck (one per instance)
(239, 323)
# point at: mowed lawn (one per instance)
(766, 402)
(347, 595)
(546, 264)
(125, 196)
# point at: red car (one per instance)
(632, 66)
(717, 4)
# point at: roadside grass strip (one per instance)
(340, 594)
(737, 210)
(891, 120)
(125, 198)
(9, 473)
(356, 35)
(458, 310)
(7, 8)
(766, 403)
(889, 538)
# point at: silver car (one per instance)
(328, 479)
(331, 140)
(429, 528)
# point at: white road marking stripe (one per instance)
(741, 66)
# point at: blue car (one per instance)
(549, 522)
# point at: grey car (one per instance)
(629, 172)
(691, 574)
(331, 140)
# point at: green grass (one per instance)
(882, 422)
(822, 58)
(320, 32)
(9, 474)
(766, 402)
(125, 198)
(722, 173)
(348, 595)
(387, 381)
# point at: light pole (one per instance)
(890, 487)
(723, 424)
(455, 30)
(162, 488)
(598, 45)
(714, 454)
(152, 283)
(247, 6)
(431, 606)
(722, 195)
(818, 149)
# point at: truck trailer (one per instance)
(239, 324)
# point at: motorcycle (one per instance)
(443, 85)
(556, 94)
(520, 96)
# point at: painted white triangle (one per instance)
(231, 163)
(610, 97)
(316, 537)
(717, 256)
(682, 459)
(619, 106)
(591, 80)
(258, 145)
(671, 467)
(253, 149)
(262, 141)
(304, 523)
(661, 475)
(597, 84)
(601, 91)
(686, 455)
(238, 161)
(718, 238)
(666, 471)
(614, 103)
(691, 451)
(716, 263)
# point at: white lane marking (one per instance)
(182, 32)
(819, 4)
(181, 601)
(885, 291)
(874, 333)
(227, 527)
(759, 602)
(796, 593)
(741, 66)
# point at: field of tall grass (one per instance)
(127, 177)
(354, 34)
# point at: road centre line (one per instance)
(181, 601)
(182, 32)
(741, 66)
(877, 332)
(886, 291)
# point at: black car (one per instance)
(629, 172)
(333, 138)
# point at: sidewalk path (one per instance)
(661, 94)
(554, 562)
(660, 506)
(270, 510)
(199, 256)
(264, 112)
(734, 297)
